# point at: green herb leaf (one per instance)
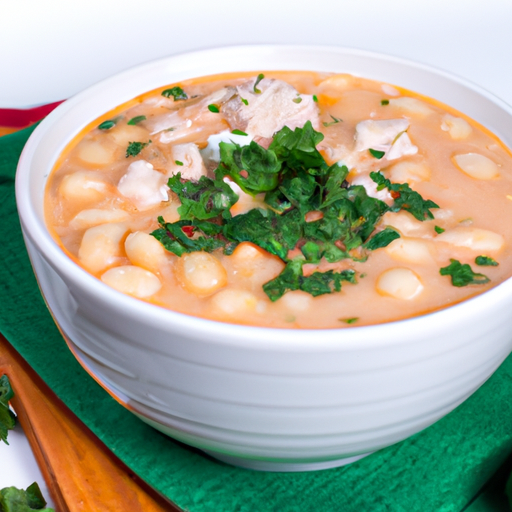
(176, 237)
(19, 500)
(405, 198)
(238, 132)
(382, 239)
(486, 261)
(244, 101)
(259, 78)
(384, 102)
(352, 320)
(204, 199)
(377, 154)
(134, 148)
(176, 92)
(135, 120)
(106, 125)
(335, 120)
(253, 168)
(318, 283)
(439, 230)
(462, 274)
(213, 108)
(298, 99)
(315, 99)
(7, 417)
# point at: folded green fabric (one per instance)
(439, 469)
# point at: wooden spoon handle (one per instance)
(82, 474)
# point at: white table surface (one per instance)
(51, 50)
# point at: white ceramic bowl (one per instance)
(263, 398)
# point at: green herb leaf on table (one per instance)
(486, 261)
(462, 274)
(134, 148)
(19, 500)
(176, 92)
(7, 417)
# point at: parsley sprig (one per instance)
(295, 181)
(462, 274)
(7, 417)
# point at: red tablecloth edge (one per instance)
(20, 118)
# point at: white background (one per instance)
(51, 50)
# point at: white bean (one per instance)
(124, 134)
(201, 273)
(101, 246)
(132, 280)
(297, 301)
(406, 224)
(399, 283)
(234, 303)
(477, 166)
(472, 238)
(255, 263)
(457, 127)
(410, 250)
(94, 216)
(82, 187)
(405, 172)
(411, 106)
(96, 152)
(144, 251)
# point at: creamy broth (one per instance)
(115, 180)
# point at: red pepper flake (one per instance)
(188, 230)
(395, 194)
(244, 173)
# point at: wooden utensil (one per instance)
(82, 474)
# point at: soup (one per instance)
(287, 199)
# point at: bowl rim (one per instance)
(348, 337)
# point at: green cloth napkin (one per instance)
(439, 469)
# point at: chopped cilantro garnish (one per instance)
(462, 274)
(238, 132)
(259, 78)
(7, 417)
(298, 99)
(352, 320)
(178, 162)
(106, 125)
(405, 198)
(134, 148)
(376, 153)
(315, 99)
(19, 500)
(136, 120)
(382, 239)
(439, 230)
(213, 108)
(309, 207)
(335, 120)
(244, 101)
(204, 199)
(176, 92)
(384, 102)
(486, 261)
